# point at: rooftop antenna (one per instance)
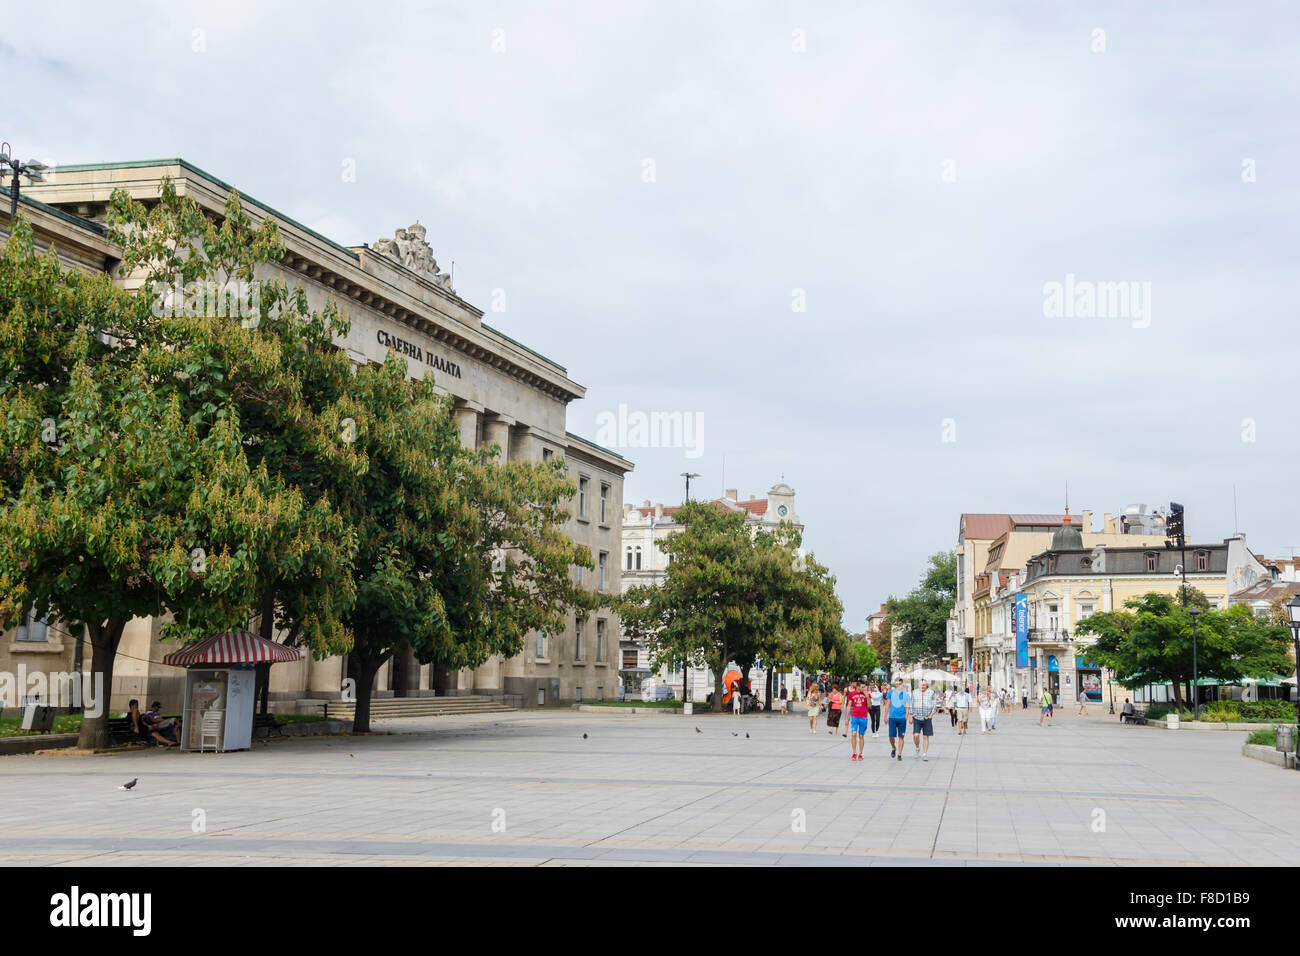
(1236, 528)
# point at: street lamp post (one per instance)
(1195, 612)
(32, 170)
(1293, 612)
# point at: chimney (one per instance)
(1085, 524)
(646, 503)
(659, 510)
(1108, 524)
(733, 494)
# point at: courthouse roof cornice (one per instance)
(357, 273)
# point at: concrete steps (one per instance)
(383, 708)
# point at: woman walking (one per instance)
(986, 710)
(877, 697)
(836, 708)
(814, 706)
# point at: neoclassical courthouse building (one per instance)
(397, 300)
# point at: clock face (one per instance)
(782, 511)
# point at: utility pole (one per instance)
(688, 475)
(1175, 537)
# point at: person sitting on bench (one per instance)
(167, 727)
(141, 729)
(1127, 713)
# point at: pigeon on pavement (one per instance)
(734, 734)
(128, 786)
(746, 736)
(698, 731)
(584, 736)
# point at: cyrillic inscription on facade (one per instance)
(413, 351)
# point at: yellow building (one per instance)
(1059, 587)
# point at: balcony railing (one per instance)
(1049, 635)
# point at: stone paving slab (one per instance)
(525, 788)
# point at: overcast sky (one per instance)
(652, 184)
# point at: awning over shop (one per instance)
(235, 646)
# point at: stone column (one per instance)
(496, 430)
(467, 420)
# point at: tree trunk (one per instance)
(717, 682)
(104, 639)
(767, 695)
(367, 668)
(266, 629)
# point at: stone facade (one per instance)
(397, 300)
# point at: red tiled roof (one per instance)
(987, 527)
(1268, 591)
(756, 507)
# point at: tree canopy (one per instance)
(1151, 642)
(733, 593)
(919, 621)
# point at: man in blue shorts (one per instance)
(859, 719)
(924, 703)
(899, 699)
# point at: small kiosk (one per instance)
(219, 684)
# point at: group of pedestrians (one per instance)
(857, 711)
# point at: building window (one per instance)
(582, 497)
(1085, 610)
(600, 642)
(546, 454)
(1202, 561)
(629, 559)
(629, 658)
(541, 644)
(1151, 561)
(32, 629)
(600, 571)
(604, 500)
(577, 639)
(638, 558)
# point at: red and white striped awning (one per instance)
(235, 646)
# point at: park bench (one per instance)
(1137, 717)
(119, 730)
(266, 724)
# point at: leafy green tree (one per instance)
(459, 556)
(121, 494)
(1151, 642)
(920, 620)
(866, 659)
(277, 364)
(734, 594)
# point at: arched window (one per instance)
(638, 558)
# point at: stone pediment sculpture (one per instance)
(408, 248)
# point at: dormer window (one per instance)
(1202, 560)
(1151, 560)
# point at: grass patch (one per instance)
(63, 724)
(1265, 738)
(301, 718)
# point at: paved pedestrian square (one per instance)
(525, 788)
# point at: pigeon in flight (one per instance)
(128, 786)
